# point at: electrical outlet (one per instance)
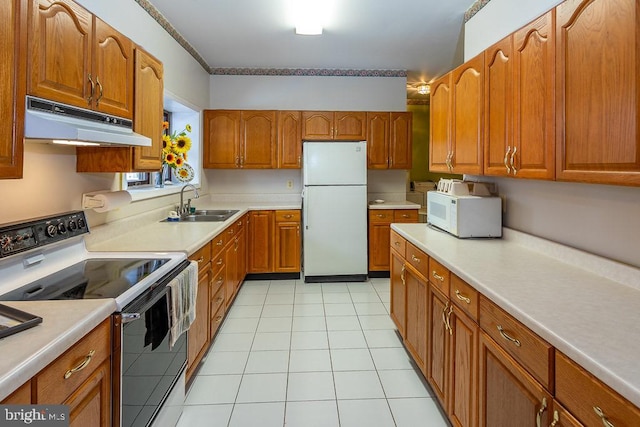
(289, 183)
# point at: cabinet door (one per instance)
(440, 124)
(378, 140)
(241, 266)
(289, 140)
(438, 350)
(12, 40)
(379, 242)
(463, 365)
(198, 336)
(533, 99)
(508, 395)
(148, 110)
(231, 276)
(90, 404)
(60, 52)
(466, 125)
(400, 138)
(221, 139)
(398, 291)
(258, 139)
(350, 125)
(113, 65)
(497, 107)
(317, 125)
(417, 314)
(287, 247)
(597, 91)
(260, 257)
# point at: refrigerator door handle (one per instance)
(305, 210)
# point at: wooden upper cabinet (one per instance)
(498, 62)
(149, 91)
(467, 113)
(113, 69)
(75, 58)
(330, 125)
(533, 99)
(400, 141)
(597, 91)
(378, 140)
(289, 140)
(221, 139)
(440, 124)
(258, 139)
(147, 121)
(12, 86)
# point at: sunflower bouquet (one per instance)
(174, 152)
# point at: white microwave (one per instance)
(465, 216)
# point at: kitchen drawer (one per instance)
(241, 222)
(217, 279)
(85, 356)
(202, 256)
(439, 276)
(289, 215)
(216, 321)
(217, 244)
(398, 243)
(533, 353)
(230, 231)
(405, 215)
(217, 300)
(418, 259)
(464, 296)
(217, 263)
(381, 216)
(586, 397)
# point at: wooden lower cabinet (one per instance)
(398, 291)
(260, 241)
(198, 335)
(508, 395)
(463, 382)
(437, 340)
(287, 241)
(90, 405)
(416, 316)
(380, 221)
(274, 244)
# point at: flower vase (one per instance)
(162, 176)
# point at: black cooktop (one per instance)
(89, 279)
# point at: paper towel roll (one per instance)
(103, 202)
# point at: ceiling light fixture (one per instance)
(308, 15)
(424, 89)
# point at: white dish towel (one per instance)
(182, 309)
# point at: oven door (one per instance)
(150, 369)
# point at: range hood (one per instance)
(53, 121)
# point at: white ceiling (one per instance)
(423, 37)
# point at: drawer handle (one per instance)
(599, 412)
(396, 243)
(200, 260)
(288, 216)
(556, 419)
(405, 216)
(230, 231)
(543, 407)
(219, 299)
(415, 259)
(219, 262)
(462, 297)
(437, 276)
(81, 366)
(380, 215)
(402, 272)
(219, 243)
(218, 319)
(507, 337)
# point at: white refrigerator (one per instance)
(334, 207)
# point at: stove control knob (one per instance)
(62, 229)
(72, 225)
(51, 230)
(81, 223)
(5, 243)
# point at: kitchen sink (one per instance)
(208, 216)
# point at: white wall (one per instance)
(50, 184)
(300, 93)
(600, 219)
(498, 19)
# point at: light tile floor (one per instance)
(298, 354)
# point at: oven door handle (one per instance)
(130, 317)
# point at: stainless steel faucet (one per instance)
(182, 209)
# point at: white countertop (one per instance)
(394, 205)
(64, 322)
(591, 318)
